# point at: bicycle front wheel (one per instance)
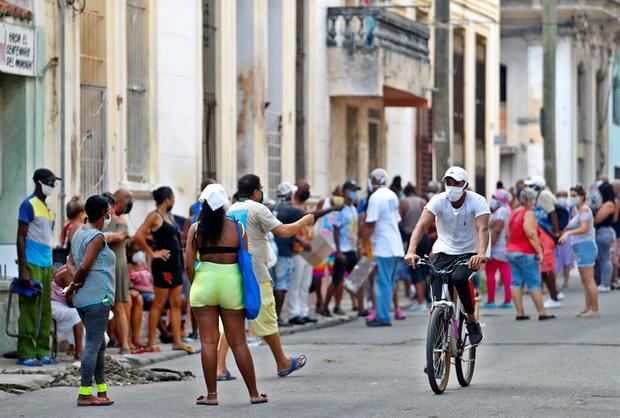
(438, 351)
(465, 360)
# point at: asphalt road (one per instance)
(563, 368)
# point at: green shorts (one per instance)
(217, 285)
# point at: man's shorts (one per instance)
(282, 272)
(340, 267)
(266, 323)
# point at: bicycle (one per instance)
(447, 334)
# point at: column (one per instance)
(470, 104)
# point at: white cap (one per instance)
(215, 196)
(537, 181)
(457, 173)
(379, 174)
(284, 189)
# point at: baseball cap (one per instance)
(379, 174)
(43, 174)
(536, 181)
(351, 185)
(215, 196)
(457, 173)
(284, 189)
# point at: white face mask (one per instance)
(139, 257)
(494, 204)
(454, 193)
(562, 201)
(574, 200)
(47, 190)
(106, 222)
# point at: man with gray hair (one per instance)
(381, 228)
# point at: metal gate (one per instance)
(93, 141)
(274, 150)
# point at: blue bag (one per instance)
(251, 289)
(31, 292)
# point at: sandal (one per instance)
(226, 377)
(522, 317)
(545, 317)
(94, 401)
(152, 349)
(204, 400)
(263, 398)
(296, 364)
(187, 348)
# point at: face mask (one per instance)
(338, 200)
(454, 193)
(574, 200)
(595, 198)
(352, 196)
(430, 195)
(493, 204)
(46, 190)
(106, 222)
(139, 257)
(599, 183)
(128, 206)
(303, 196)
(562, 201)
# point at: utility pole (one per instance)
(441, 94)
(550, 19)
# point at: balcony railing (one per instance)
(365, 29)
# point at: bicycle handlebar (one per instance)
(446, 270)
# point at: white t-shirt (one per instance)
(456, 228)
(383, 211)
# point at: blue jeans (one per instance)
(95, 320)
(605, 236)
(525, 271)
(387, 270)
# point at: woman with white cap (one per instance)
(217, 290)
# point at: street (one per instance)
(561, 368)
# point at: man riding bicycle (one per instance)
(462, 219)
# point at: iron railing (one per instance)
(93, 141)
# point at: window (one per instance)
(352, 160)
(209, 156)
(138, 148)
(93, 143)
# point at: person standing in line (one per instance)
(525, 253)
(498, 224)
(76, 218)
(217, 290)
(117, 235)
(381, 228)
(616, 246)
(564, 259)
(34, 260)
(258, 220)
(283, 270)
(415, 206)
(92, 290)
(166, 266)
(605, 236)
(580, 235)
(345, 241)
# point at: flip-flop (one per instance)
(94, 401)
(187, 348)
(296, 364)
(545, 317)
(152, 349)
(522, 317)
(226, 377)
(263, 399)
(203, 400)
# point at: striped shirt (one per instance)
(100, 283)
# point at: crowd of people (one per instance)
(187, 269)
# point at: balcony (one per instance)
(375, 52)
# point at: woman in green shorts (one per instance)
(217, 290)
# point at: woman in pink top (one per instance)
(525, 253)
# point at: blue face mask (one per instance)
(352, 196)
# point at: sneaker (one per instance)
(506, 305)
(47, 361)
(376, 323)
(31, 362)
(489, 305)
(603, 289)
(419, 308)
(298, 320)
(309, 320)
(475, 333)
(254, 341)
(552, 304)
(372, 315)
(560, 296)
(399, 314)
(282, 323)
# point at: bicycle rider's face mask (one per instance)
(454, 193)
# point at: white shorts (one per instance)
(66, 318)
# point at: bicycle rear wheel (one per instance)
(438, 351)
(465, 360)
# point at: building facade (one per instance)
(586, 34)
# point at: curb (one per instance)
(329, 322)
